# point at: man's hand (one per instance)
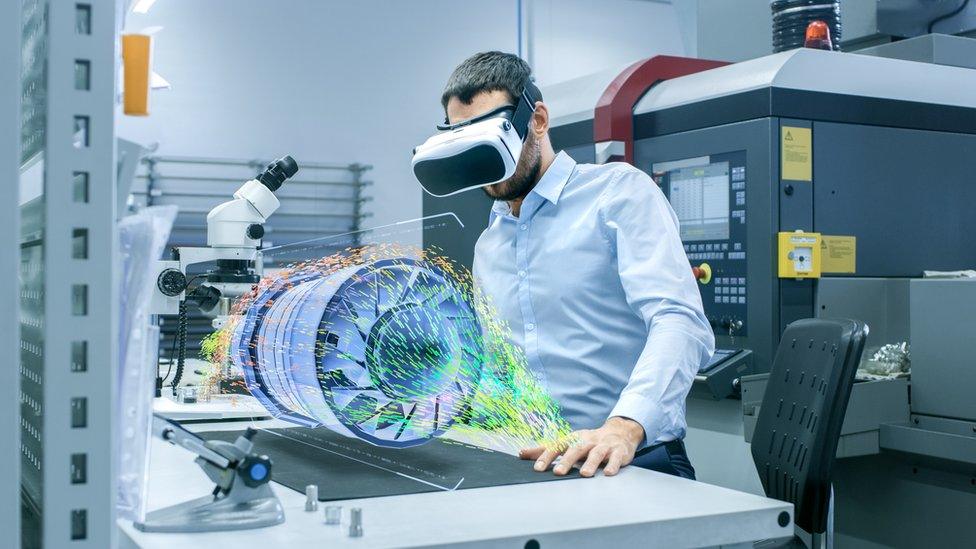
(613, 444)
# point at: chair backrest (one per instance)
(799, 422)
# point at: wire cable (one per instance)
(172, 355)
(172, 349)
(181, 352)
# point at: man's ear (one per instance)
(540, 119)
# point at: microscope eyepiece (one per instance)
(277, 172)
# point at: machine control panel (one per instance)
(708, 194)
(721, 374)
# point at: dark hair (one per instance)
(485, 72)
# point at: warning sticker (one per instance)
(797, 153)
(838, 254)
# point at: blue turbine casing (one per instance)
(388, 351)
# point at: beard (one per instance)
(525, 176)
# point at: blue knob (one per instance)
(259, 471)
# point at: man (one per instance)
(585, 264)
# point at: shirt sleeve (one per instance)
(657, 280)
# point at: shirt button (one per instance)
(523, 227)
(530, 326)
(521, 274)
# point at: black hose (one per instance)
(172, 357)
(949, 15)
(172, 348)
(181, 353)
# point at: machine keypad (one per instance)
(710, 201)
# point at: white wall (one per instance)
(359, 81)
(734, 31)
(321, 80)
(572, 38)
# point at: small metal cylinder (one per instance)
(311, 498)
(355, 522)
(333, 514)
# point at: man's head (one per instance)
(486, 81)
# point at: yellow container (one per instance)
(137, 62)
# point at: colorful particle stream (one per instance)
(390, 344)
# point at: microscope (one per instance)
(234, 232)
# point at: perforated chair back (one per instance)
(799, 422)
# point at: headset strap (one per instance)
(525, 109)
(520, 114)
(504, 110)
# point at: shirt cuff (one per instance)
(643, 410)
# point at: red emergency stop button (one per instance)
(703, 273)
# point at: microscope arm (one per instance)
(175, 434)
(242, 498)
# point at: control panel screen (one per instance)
(700, 198)
(708, 195)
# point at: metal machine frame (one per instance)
(69, 301)
(10, 105)
(865, 100)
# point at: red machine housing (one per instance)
(613, 118)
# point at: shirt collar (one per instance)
(549, 187)
(501, 208)
(557, 175)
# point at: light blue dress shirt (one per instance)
(593, 281)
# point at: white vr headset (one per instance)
(476, 152)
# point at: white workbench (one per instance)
(637, 508)
(222, 407)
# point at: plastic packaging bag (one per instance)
(142, 238)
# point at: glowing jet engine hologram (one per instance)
(388, 351)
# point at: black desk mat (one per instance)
(348, 468)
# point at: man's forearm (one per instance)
(662, 378)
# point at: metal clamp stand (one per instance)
(242, 498)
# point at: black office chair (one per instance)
(802, 411)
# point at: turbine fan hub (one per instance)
(410, 354)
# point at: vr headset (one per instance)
(476, 152)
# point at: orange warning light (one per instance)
(818, 36)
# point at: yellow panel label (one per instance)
(797, 153)
(838, 254)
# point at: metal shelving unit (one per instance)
(68, 303)
(10, 147)
(323, 199)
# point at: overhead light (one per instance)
(142, 6)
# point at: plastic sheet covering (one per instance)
(142, 238)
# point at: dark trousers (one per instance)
(666, 457)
